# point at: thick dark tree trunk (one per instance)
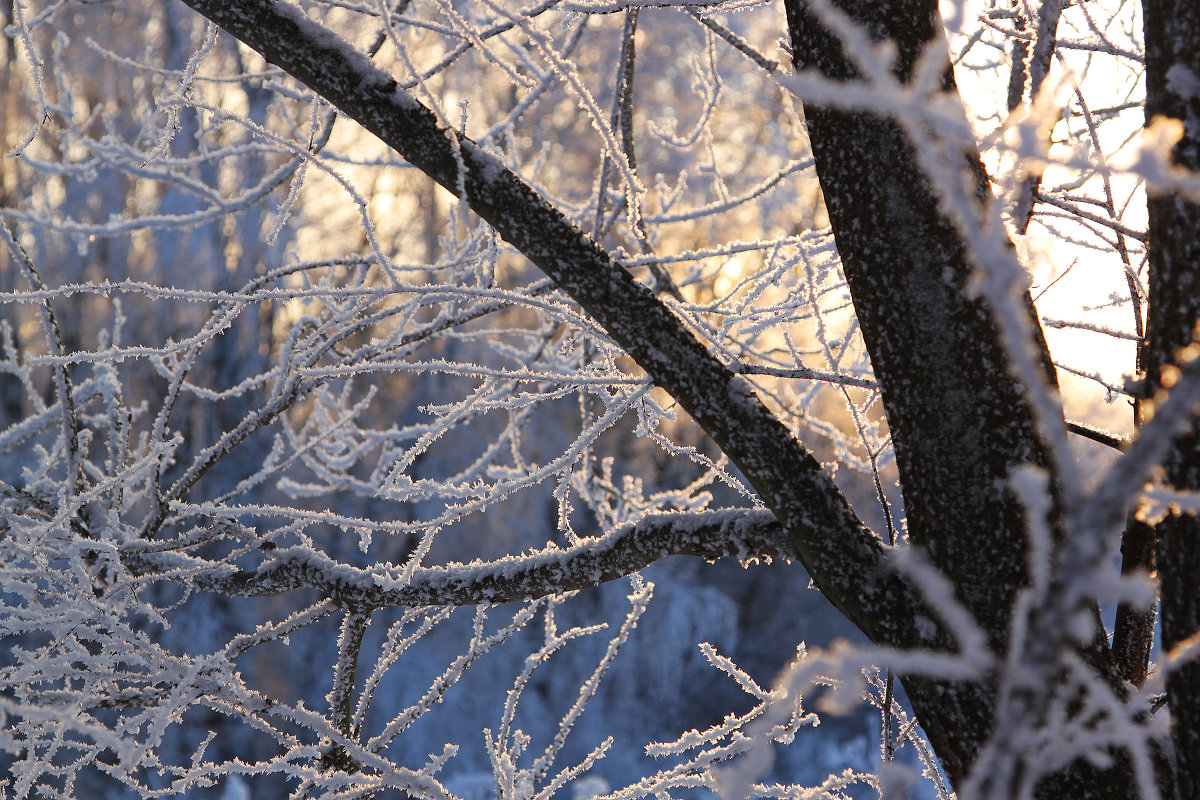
(959, 422)
(1172, 35)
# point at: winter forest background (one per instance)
(262, 380)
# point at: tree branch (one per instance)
(843, 557)
(744, 534)
(1099, 436)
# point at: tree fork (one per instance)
(845, 559)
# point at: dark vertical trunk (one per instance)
(1172, 35)
(959, 422)
(1133, 630)
(11, 391)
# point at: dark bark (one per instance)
(1172, 36)
(1133, 630)
(959, 422)
(1034, 66)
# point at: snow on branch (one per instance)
(744, 534)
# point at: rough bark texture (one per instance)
(960, 423)
(1172, 36)
(1133, 630)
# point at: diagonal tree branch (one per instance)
(844, 558)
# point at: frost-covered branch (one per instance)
(828, 535)
(745, 535)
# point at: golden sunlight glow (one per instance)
(1074, 276)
